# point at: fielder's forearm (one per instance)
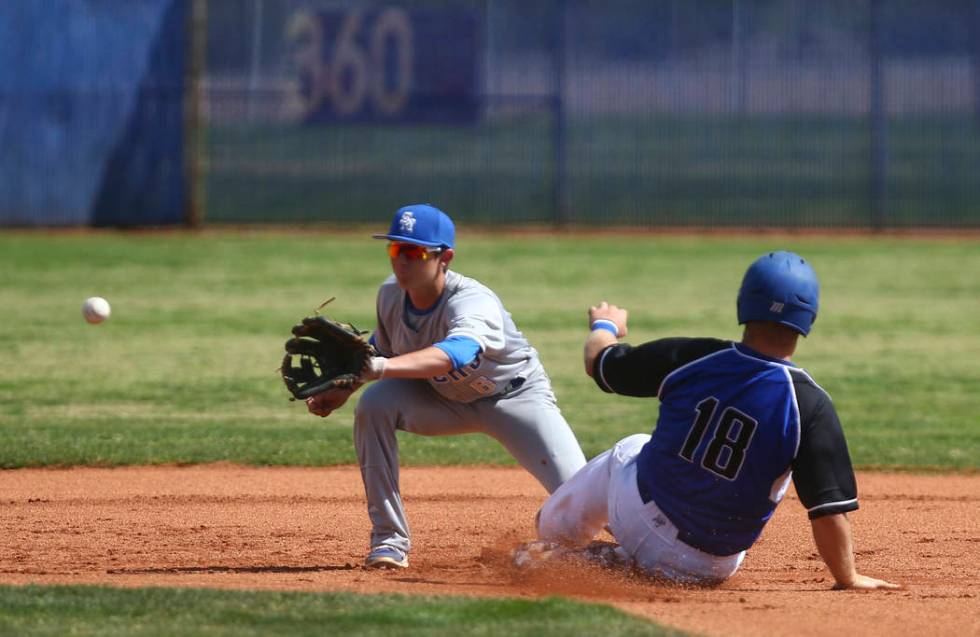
(598, 340)
(425, 363)
(832, 535)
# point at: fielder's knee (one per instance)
(373, 408)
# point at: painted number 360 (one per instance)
(347, 74)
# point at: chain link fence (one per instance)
(656, 113)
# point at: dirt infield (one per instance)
(306, 529)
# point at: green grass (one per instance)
(184, 371)
(105, 612)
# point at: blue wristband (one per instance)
(605, 324)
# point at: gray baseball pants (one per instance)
(527, 422)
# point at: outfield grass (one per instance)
(106, 612)
(184, 371)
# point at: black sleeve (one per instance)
(638, 371)
(822, 471)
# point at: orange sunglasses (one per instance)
(411, 251)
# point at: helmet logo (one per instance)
(407, 222)
(776, 307)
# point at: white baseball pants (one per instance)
(604, 492)
(527, 422)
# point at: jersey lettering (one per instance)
(726, 451)
(457, 375)
(705, 409)
(484, 385)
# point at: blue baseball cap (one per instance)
(421, 224)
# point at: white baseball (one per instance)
(96, 309)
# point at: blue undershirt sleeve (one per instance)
(461, 350)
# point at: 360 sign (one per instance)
(365, 66)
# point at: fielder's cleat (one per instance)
(385, 556)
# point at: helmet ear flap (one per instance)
(780, 287)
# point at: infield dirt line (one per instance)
(227, 526)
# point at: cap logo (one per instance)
(407, 222)
(776, 307)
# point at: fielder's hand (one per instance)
(607, 312)
(374, 368)
(325, 403)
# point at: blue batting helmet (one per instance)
(780, 287)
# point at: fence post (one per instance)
(255, 62)
(558, 115)
(976, 60)
(194, 147)
(879, 120)
(737, 92)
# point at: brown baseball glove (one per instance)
(324, 354)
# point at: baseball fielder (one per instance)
(452, 362)
(737, 422)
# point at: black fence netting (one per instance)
(800, 113)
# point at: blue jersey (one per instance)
(728, 438)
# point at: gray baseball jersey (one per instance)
(467, 308)
(504, 393)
